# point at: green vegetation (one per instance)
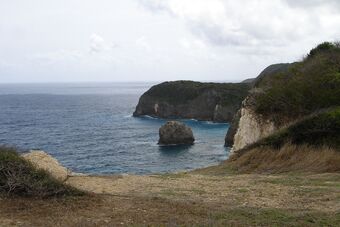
(19, 177)
(312, 144)
(275, 217)
(330, 182)
(317, 130)
(324, 47)
(181, 92)
(303, 87)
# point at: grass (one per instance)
(298, 180)
(303, 88)
(296, 158)
(114, 211)
(317, 130)
(277, 217)
(171, 176)
(18, 177)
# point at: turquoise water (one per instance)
(89, 128)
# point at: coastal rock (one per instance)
(251, 128)
(229, 138)
(175, 133)
(44, 161)
(216, 102)
(247, 127)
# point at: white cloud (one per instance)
(251, 22)
(158, 39)
(143, 43)
(98, 44)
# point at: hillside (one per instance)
(193, 100)
(312, 144)
(285, 93)
(303, 87)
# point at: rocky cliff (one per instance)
(216, 102)
(251, 126)
(247, 126)
(284, 94)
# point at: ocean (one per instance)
(89, 128)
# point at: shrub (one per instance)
(323, 47)
(306, 87)
(322, 129)
(19, 177)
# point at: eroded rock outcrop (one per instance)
(251, 127)
(44, 161)
(247, 126)
(216, 102)
(175, 133)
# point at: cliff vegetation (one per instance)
(303, 87)
(19, 177)
(193, 100)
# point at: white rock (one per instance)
(252, 128)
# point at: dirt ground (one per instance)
(209, 197)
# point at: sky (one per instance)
(157, 40)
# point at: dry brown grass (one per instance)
(290, 157)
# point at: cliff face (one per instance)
(216, 102)
(247, 126)
(251, 127)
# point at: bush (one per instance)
(306, 87)
(323, 47)
(19, 177)
(321, 129)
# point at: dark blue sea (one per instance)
(89, 128)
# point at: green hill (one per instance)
(193, 100)
(301, 88)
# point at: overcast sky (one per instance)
(157, 40)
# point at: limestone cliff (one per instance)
(251, 126)
(216, 102)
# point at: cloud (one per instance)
(57, 56)
(142, 42)
(98, 44)
(266, 23)
(314, 3)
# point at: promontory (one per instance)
(216, 102)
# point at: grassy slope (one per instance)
(18, 177)
(180, 92)
(316, 130)
(207, 197)
(310, 145)
(308, 94)
(303, 87)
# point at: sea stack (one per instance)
(175, 133)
